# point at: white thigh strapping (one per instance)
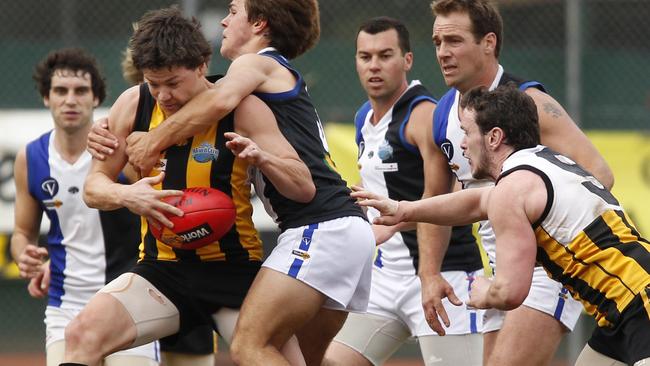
(375, 337)
(154, 315)
(547, 296)
(334, 257)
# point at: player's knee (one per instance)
(79, 335)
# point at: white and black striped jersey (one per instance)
(391, 166)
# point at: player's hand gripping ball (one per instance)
(209, 215)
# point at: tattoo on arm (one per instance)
(553, 110)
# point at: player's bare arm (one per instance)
(560, 133)
(516, 202)
(433, 240)
(458, 208)
(247, 73)
(259, 140)
(27, 221)
(101, 190)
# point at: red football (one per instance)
(209, 214)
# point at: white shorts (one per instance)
(395, 314)
(400, 297)
(56, 319)
(334, 257)
(547, 296)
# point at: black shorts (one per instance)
(200, 289)
(629, 340)
(198, 341)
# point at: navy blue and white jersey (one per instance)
(448, 136)
(391, 166)
(87, 248)
(301, 126)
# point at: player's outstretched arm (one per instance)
(560, 133)
(27, 220)
(458, 208)
(259, 140)
(245, 75)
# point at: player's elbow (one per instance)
(510, 295)
(306, 193)
(91, 194)
(512, 302)
(223, 102)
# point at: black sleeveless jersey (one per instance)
(202, 161)
(299, 123)
(390, 164)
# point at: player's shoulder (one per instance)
(129, 98)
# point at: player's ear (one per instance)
(46, 101)
(489, 43)
(260, 26)
(408, 57)
(496, 137)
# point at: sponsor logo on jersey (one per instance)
(52, 204)
(387, 167)
(196, 233)
(385, 151)
(73, 190)
(305, 242)
(447, 148)
(205, 153)
(50, 186)
(301, 254)
(371, 154)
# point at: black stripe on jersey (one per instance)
(507, 77)
(176, 178)
(550, 193)
(146, 104)
(580, 287)
(602, 236)
(220, 178)
(150, 245)
(621, 214)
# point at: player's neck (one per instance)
(499, 156)
(484, 78)
(70, 145)
(381, 106)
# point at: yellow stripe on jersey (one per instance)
(198, 175)
(241, 195)
(559, 255)
(602, 265)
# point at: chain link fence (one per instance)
(608, 59)
(592, 55)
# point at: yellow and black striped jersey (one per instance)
(585, 239)
(202, 161)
